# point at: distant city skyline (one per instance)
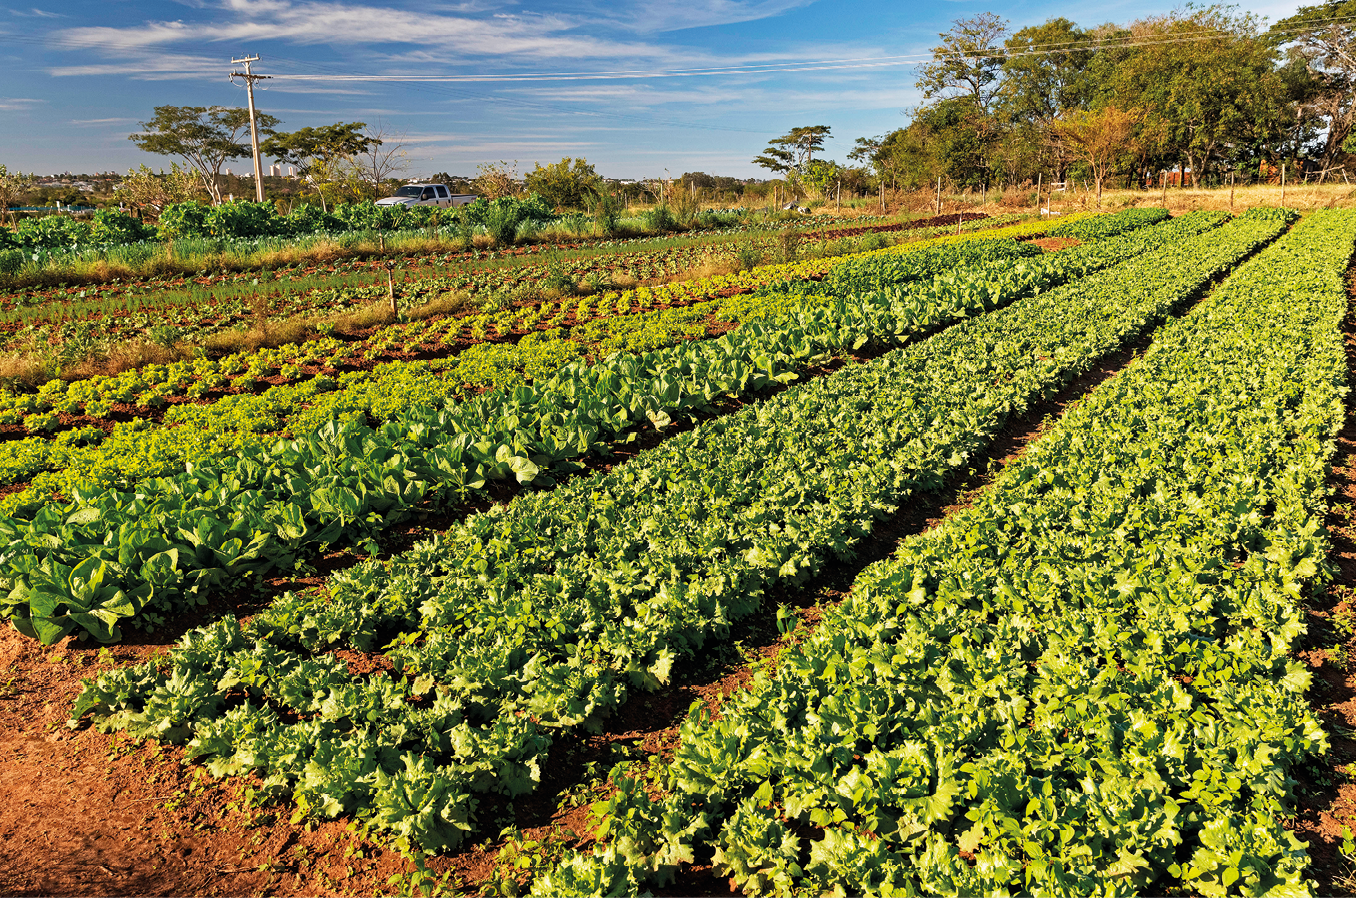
(638, 89)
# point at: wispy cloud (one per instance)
(34, 12)
(100, 121)
(18, 104)
(149, 67)
(665, 15)
(534, 36)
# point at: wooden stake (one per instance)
(882, 194)
(1040, 176)
(390, 290)
(1282, 185)
(939, 197)
(1165, 190)
(838, 198)
(1231, 191)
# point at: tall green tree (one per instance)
(1043, 71)
(1323, 38)
(1207, 84)
(968, 62)
(318, 152)
(567, 184)
(204, 136)
(791, 152)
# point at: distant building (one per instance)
(275, 171)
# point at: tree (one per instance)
(1203, 97)
(496, 179)
(567, 184)
(205, 136)
(1324, 38)
(12, 186)
(794, 149)
(382, 158)
(1038, 85)
(319, 151)
(820, 176)
(968, 61)
(1099, 138)
(143, 188)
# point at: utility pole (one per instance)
(250, 78)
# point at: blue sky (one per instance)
(80, 74)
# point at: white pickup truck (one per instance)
(427, 195)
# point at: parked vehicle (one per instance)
(427, 195)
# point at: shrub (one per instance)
(243, 219)
(660, 219)
(114, 228)
(184, 220)
(52, 232)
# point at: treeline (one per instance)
(1193, 97)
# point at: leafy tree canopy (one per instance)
(567, 184)
(205, 136)
(794, 149)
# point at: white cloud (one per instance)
(532, 36)
(34, 12)
(665, 15)
(18, 104)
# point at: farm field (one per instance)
(1014, 560)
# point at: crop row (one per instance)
(111, 553)
(541, 615)
(1084, 683)
(441, 333)
(316, 392)
(194, 308)
(1099, 227)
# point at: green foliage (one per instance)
(51, 231)
(1100, 227)
(567, 184)
(111, 227)
(544, 614)
(1084, 682)
(188, 219)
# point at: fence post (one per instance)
(1040, 177)
(1282, 185)
(939, 197)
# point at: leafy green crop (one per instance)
(543, 615)
(270, 505)
(1082, 684)
(1099, 227)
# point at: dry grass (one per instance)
(24, 369)
(709, 268)
(264, 334)
(1302, 197)
(447, 304)
(361, 319)
(126, 356)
